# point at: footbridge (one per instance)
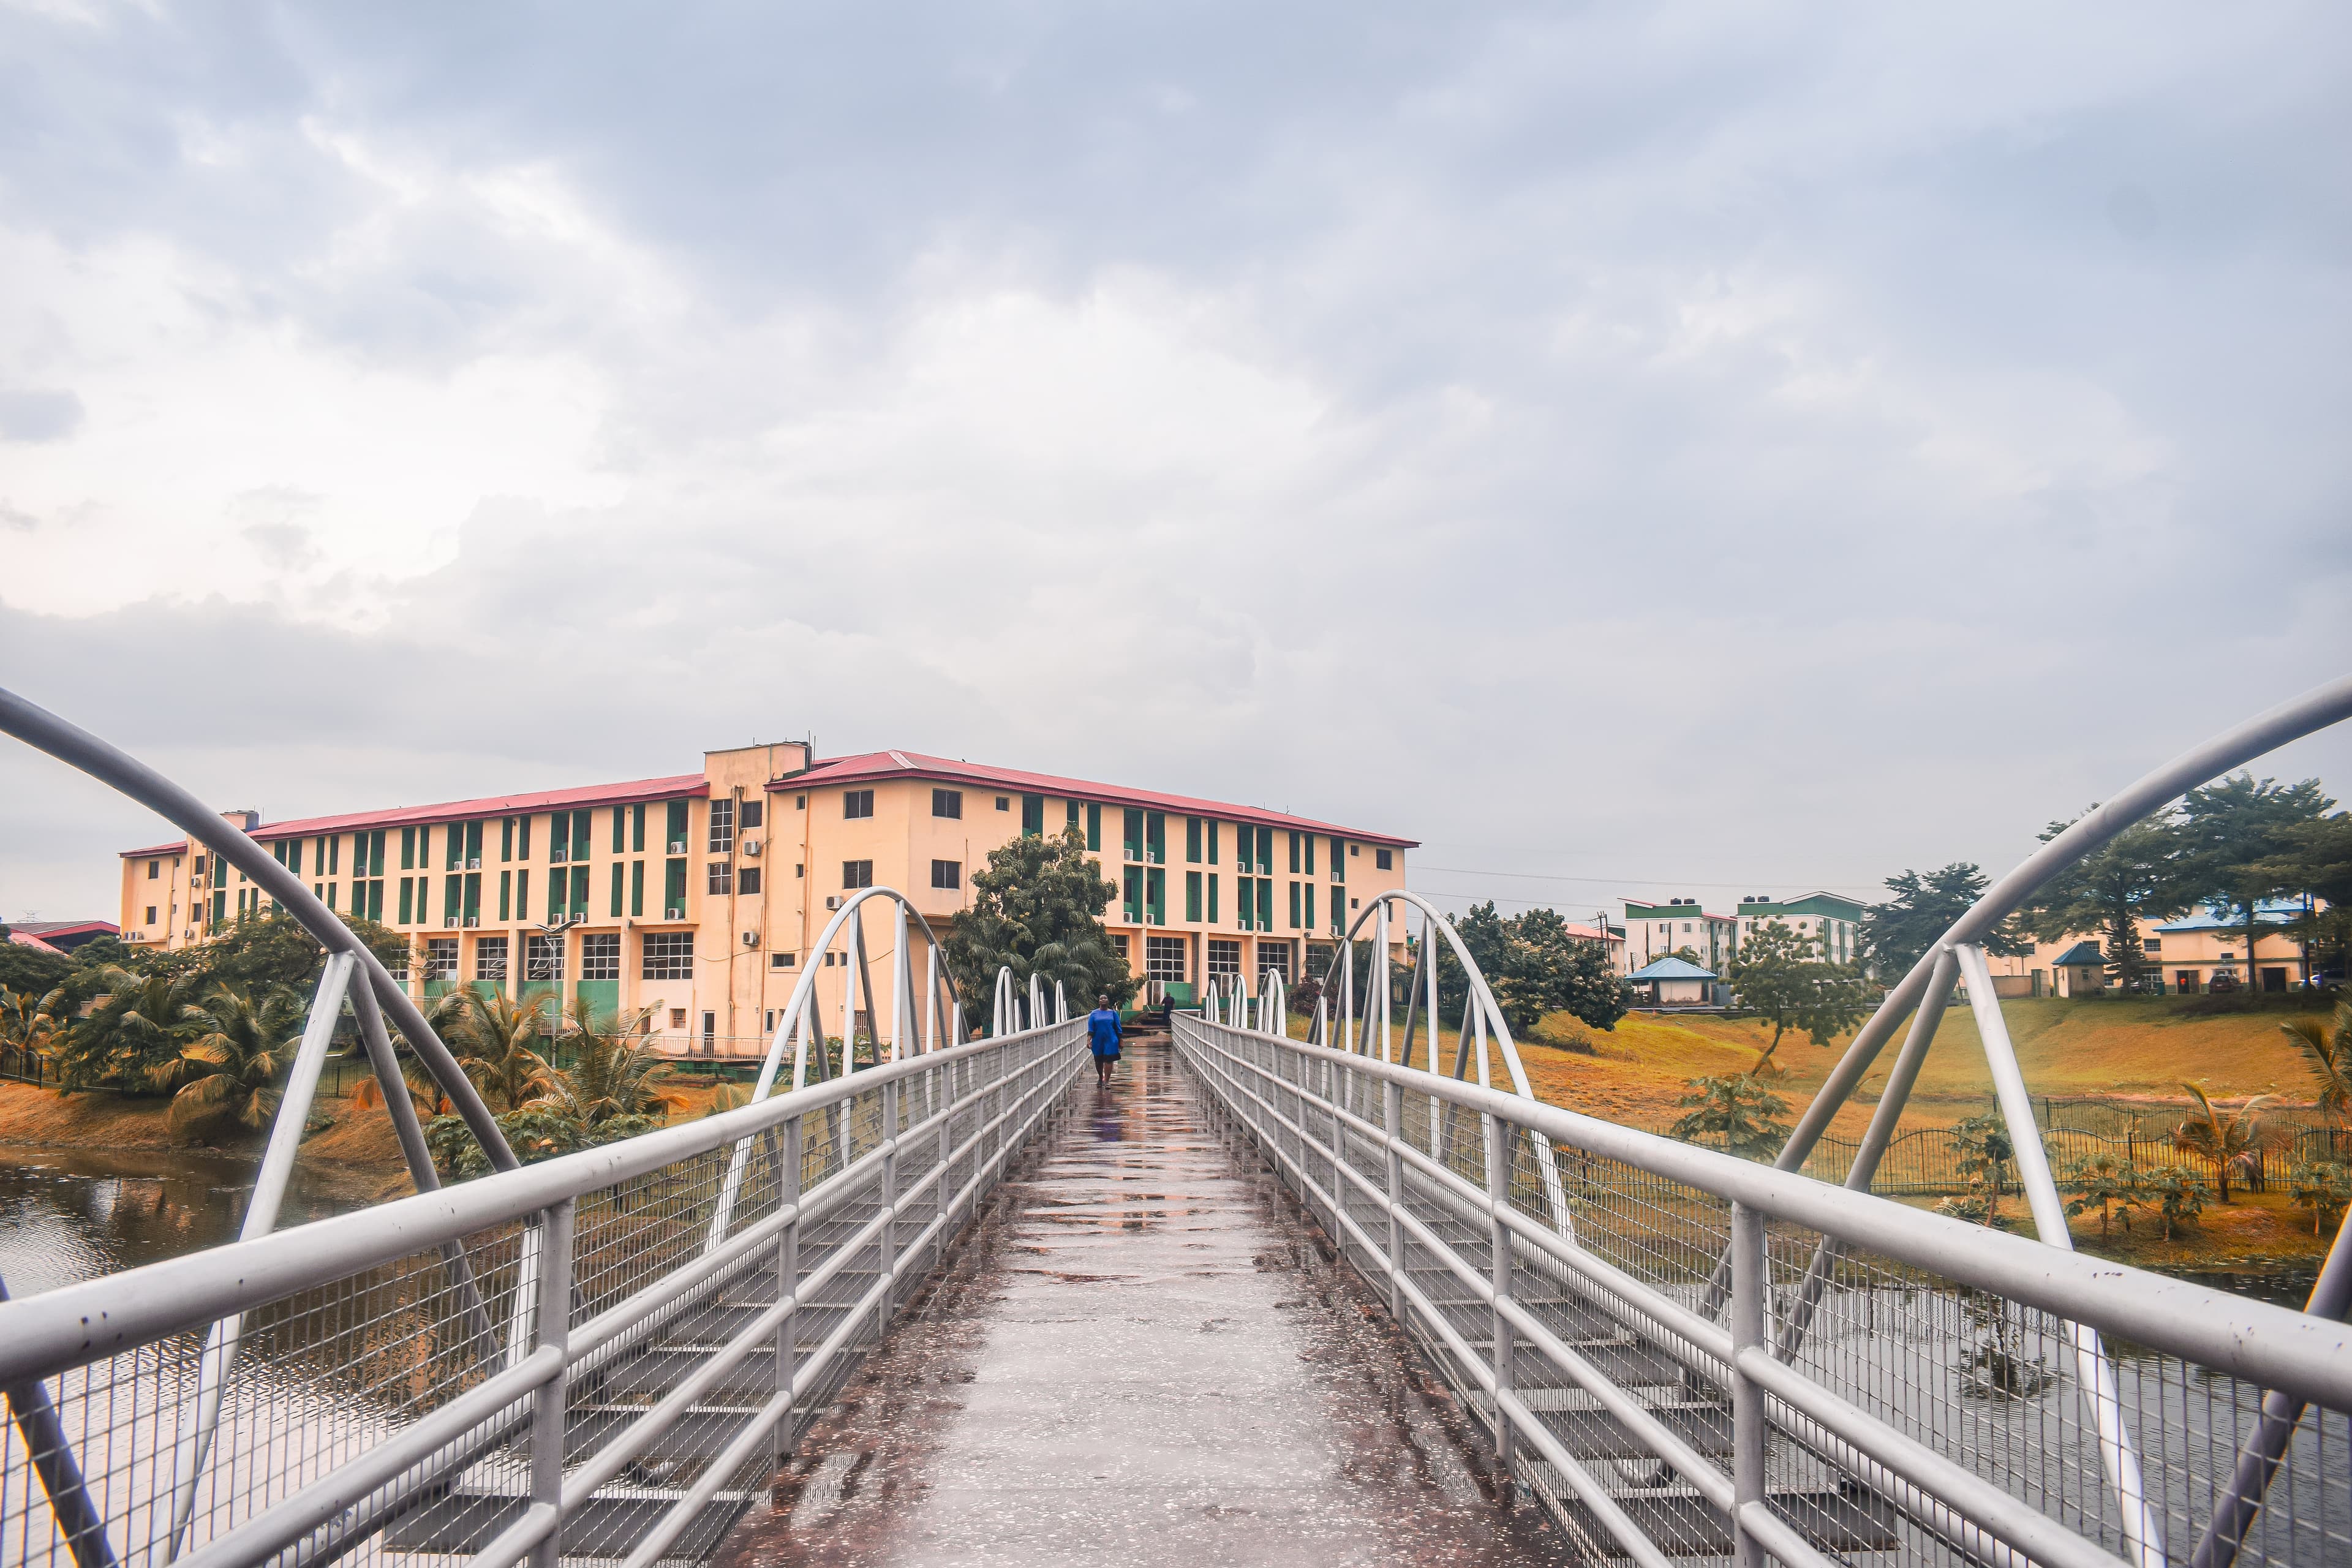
(1323, 1285)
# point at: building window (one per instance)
(721, 878)
(440, 958)
(1272, 958)
(857, 873)
(947, 802)
(1033, 814)
(754, 815)
(544, 957)
(674, 828)
(600, 956)
(710, 1032)
(1192, 839)
(674, 890)
(856, 802)
(1118, 944)
(1383, 859)
(151, 914)
(1225, 956)
(780, 960)
(722, 827)
(1164, 959)
(1193, 895)
(1318, 957)
(154, 869)
(2153, 944)
(677, 1017)
(947, 873)
(747, 881)
(1093, 826)
(491, 958)
(668, 955)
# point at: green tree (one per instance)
(141, 1025)
(1985, 1154)
(1734, 1113)
(32, 1022)
(2327, 1045)
(263, 953)
(1896, 933)
(29, 970)
(2323, 1186)
(1778, 977)
(493, 1038)
(2241, 839)
(2104, 1183)
(2178, 1194)
(2316, 862)
(1535, 966)
(2133, 877)
(614, 1073)
(1038, 908)
(228, 1073)
(2227, 1141)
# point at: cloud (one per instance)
(38, 415)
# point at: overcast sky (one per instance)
(1700, 450)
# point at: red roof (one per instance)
(45, 930)
(467, 810)
(24, 938)
(879, 767)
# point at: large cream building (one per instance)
(699, 895)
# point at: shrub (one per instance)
(2323, 1186)
(1735, 1113)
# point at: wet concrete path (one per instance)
(1142, 1356)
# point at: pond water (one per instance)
(69, 1216)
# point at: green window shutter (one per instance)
(1212, 847)
(620, 836)
(473, 842)
(1071, 814)
(522, 894)
(1212, 892)
(1265, 850)
(506, 837)
(375, 853)
(1131, 904)
(1132, 834)
(1193, 840)
(1155, 896)
(474, 896)
(580, 831)
(1294, 853)
(616, 877)
(674, 887)
(1309, 846)
(580, 888)
(1309, 923)
(1265, 903)
(522, 838)
(637, 887)
(330, 895)
(637, 829)
(1338, 861)
(1033, 814)
(408, 849)
(408, 913)
(675, 831)
(450, 893)
(1192, 893)
(1093, 826)
(375, 902)
(1155, 837)
(1294, 905)
(220, 905)
(506, 894)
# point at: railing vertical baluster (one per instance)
(1499, 1135)
(788, 1279)
(888, 1240)
(553, 1328)
(1393, 1103)
(939, 1192)
(1748, 1434)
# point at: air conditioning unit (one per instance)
(673, 914)
(678, 845)
(833, 903)
(449, 923)
(750, 847)
(475, 864)
(472, 920)
(750, 939)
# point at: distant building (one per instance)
(1831, 920)
(2206, 949)
(2080, 971)
(1675, 983)
(63, 936)
(1654, 931)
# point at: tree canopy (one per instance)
(1037, 907)
(1894, 934)
(1779, 978)
(1535, 966)
(2133, 877)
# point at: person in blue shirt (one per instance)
(1102, 1031)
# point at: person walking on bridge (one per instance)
(1102, 1031)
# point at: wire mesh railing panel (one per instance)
(1827, 1401)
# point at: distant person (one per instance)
(1102, 1032)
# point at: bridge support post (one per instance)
(1392, 1113)
(788, 1281)
(1499, 1136)
(1748, 1434)
(552, 1329)
(888, 1240)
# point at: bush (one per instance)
(1734, 1113)
(2323, 1186)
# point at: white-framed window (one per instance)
(544, 957)
(1272, 958)
(1165, 959)
(668, 955)
(1118, 944)
(600, 956)
(440, 958)
(722, 827)
(722, 878)
(491, 958)
(1225, 956)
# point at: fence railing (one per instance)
(1932, 1398)
(25, 1065)
(1926, 1160)
(600, 1356)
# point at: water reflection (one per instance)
(71, 1216)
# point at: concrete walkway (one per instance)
(1142, 1357)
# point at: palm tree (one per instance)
(493, 1036)
(2233, 1142)
(2328, 1048)
(142, 1025)
(29, 1023)
(229, 1072)
(444, 1015)
(614, 1071)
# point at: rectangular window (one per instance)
(1265, 903)
(1070, 814)
(407, 912)
(1193, 895)
(294, 856)
(1318, 958)
(1338, 863)
(542, 957)
(1294, 905)
(582, 827)
(637, 828)
(780, 960)
(506, 838)
(1164, 959)
(722, 827)
(1133, 904)
(1155, 896)
(1308, 848)
(674, 829)
(747, 881)
(1272, 958)
(620, 830)
(473, 898)
(636, 890)
(668, 955)
(618, 876)
(150, 915)
(1132, 834)
(473, 846)
(600, 956)
(856, 804)
(947, 802)
(673, 888)
(453, 892)
(1032, 814)
(1382, 860)
(522, 837)
(1294, 853)
(506, 896)
(947, 873)
(753, 813)
(440, 958)
(1225, 957)
(1119, 945)
(1004, 802)
(1093, 826)
(220, 905)
(1309, 895)
(579, 892)
(453, 846)
(559, 837)
(1155, 837)
(720, 878)
(491, 958)
(1193, 840)
(1212, 917)
(1212, 844)
(155, 870)
(522, 894)
(857, 873)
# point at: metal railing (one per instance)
(1941, 1406)
(600, 1356)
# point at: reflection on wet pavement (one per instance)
(1141, 1356)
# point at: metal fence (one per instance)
(20, 1066)
(600, 1356)
(1650, 1333)
(1926, 1160)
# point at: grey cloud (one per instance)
(38, 414)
